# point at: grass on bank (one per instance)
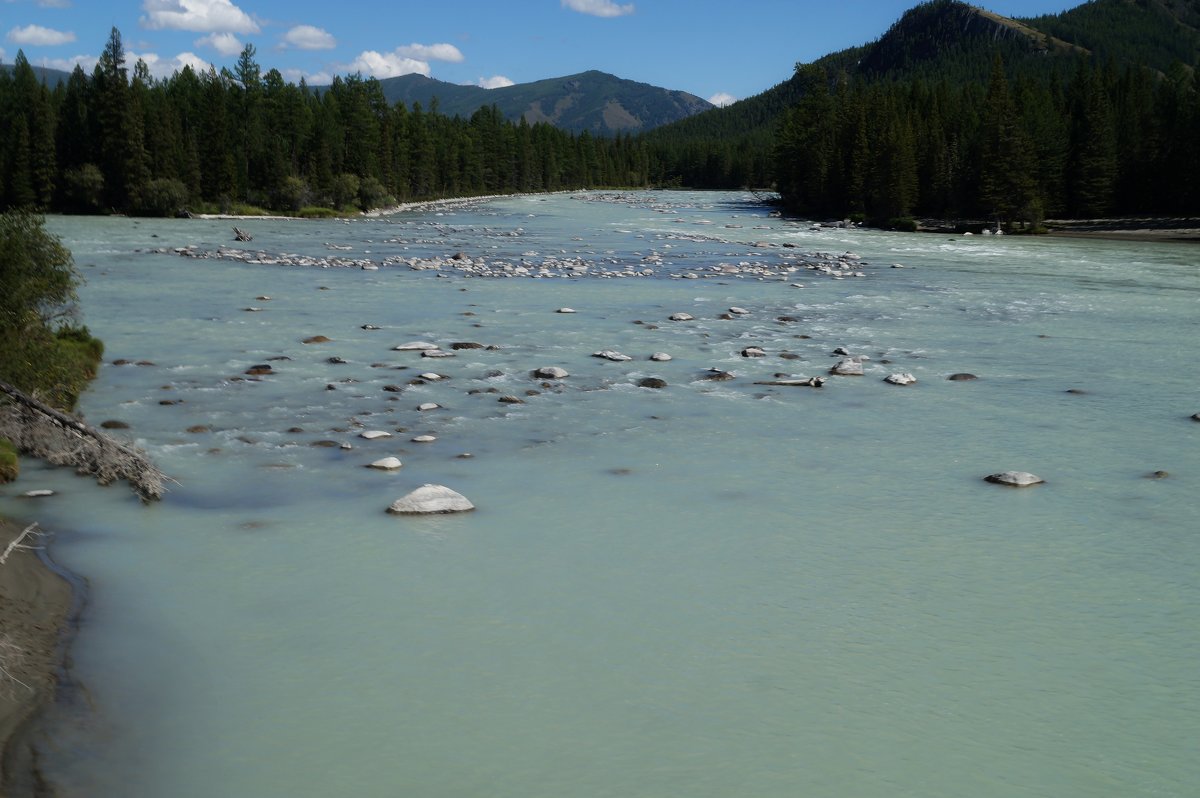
(10, 467)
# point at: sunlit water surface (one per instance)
(712, 589)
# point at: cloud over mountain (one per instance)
(309, 37)
(215, 16)
(598, 8)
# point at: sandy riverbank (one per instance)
(35, 605)
(1146, 228)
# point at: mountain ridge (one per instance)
(593, 101)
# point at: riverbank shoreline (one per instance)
(35, 610)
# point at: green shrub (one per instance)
(10, 467)
(318, 212)
(162, 197)
(903, 224)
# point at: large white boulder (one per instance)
(431, 499)
(386, 464)
(848, 367)
(414, 346)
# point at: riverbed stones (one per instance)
(681, 317)
(316, 339)
(436, 353)
(457, 345)
(565, 310)
(431, 499)
(386, 464)
(900, 378)
(662, 357)
(753, 351)
(550, 373)
(414, 346)
(40, 493)
(374, 434)
(609, 354)
(113, 423)
(652, 382)
(260, 369)
(425, 407)
(848, 367)
(739, 311)
(424, 439)
(962, 376)
(716, 375)
(1014, 479)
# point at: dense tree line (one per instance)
(209, 139)
(1097, 141)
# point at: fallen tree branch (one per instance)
(16, 543)
(39, 430)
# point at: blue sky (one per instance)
(716, 49)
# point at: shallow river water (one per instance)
(715, 588)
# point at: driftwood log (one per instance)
(41, 431)
(241, 235)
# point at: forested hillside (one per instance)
(923, 121)
(1052, 131)
(221, 140)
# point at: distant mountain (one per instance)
(51, 77)
(593, 101)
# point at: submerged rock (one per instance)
(316, 339)
(429, 499)
(1014, 479)
(900, 378)
(962, 377)
(386, 464)
(373, 434)
(799, 382)
(550, 373)
(681, 317)
(753, 351)
(652, 382)
(663, 356)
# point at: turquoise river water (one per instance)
(717, 588)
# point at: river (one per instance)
(713, 588)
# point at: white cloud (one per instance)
(312, 78)
(224, 43)
(722, 99)
(307, 37)
(494, 82)
(39, 36)
(3, 54)
(431, 52)
(165, 67)
(598, 8)
(198, 15)
(88, 62)
(54, 3)
(387, 65)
